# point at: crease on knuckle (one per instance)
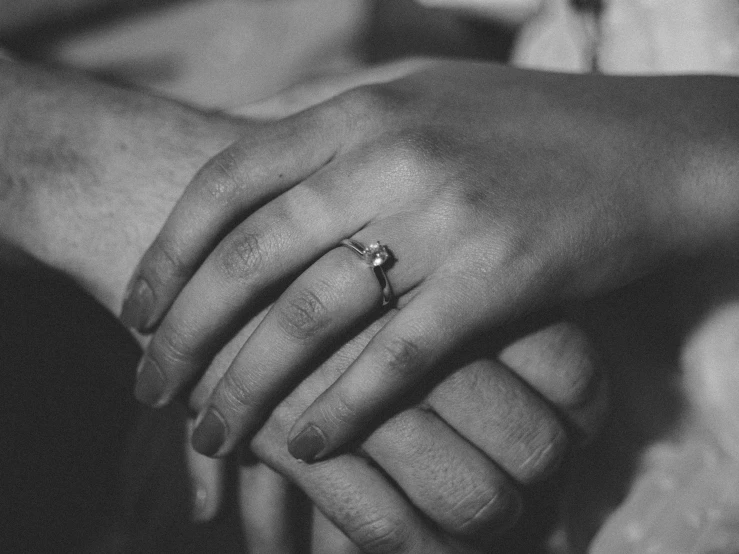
(163, 262)
(402, 355)
(339, 411)
(222, 177)
(381, 535)
(237, 392)
(302, 315)
(172, 347)
(240, 254)
(547, 447)
(489, 505)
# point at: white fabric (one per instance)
(223, 53)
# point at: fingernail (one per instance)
(150, 383)
(307, 444)
(137, 304)
(210, 433)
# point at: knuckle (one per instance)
(222, 176)
(416, 154)
(582, 386)
(171, 347)
(164, 261)
(284, 416)
(561, 360)
(338, 410)
(236, 392)
(310, 206)
(425, 145)
(240, 254)
(492, 505)
(570, 351)
(546, 448)
(381, 535)
(371, 100)
(302, 315)
(402, 355)
(590, 417)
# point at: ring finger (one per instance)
(325, 303)
(269, 246)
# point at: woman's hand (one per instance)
(496, 190)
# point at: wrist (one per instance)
(686, 161)
(94, 171)
(708, 184)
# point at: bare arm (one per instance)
(88, 172)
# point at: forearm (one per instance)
(89, 172)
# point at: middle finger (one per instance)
(324, 304)
(274, 243)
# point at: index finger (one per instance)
(231, 185)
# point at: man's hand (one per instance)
(461, 455)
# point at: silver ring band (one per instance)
(375, 256)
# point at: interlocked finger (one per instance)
(319, 308)
(486, 403)
(254, 260)
(559, 363)
(255, 169)
(355, 496)
(449, 479)
(326, 538)
(391, 367)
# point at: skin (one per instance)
(17, 15)
(498, 191)
(89, 174)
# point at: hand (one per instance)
(496, 190)
(65, 222)
(577, 391)
(444, 453)
(89, 173)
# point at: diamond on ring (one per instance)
(375, 255)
